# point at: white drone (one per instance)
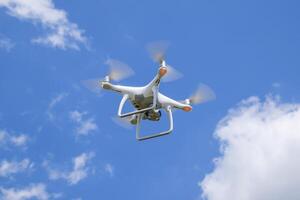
(147, 100)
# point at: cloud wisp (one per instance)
(260, 145)
(85, 126)
(79, 171)
(34, 191)
(10, 139)
(8, 168)
(56, 100)
(108, 168)
(61, 33)
(6, 44)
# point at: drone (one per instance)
(148, 101)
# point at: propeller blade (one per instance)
(123, 122)
(93, 85)
(172, 74)
(157, 50)
(118, 70)
(202, 94)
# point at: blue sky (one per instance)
(60, 137)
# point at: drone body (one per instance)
(149, 102)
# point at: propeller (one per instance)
(117, 72)
(157, 51)
(93, 85)
(172, 74)
(124, 122)
(201, 95)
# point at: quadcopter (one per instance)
(147, 100)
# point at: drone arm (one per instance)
(118, 88)
(156, 80)
(140, 138)
(166, 101)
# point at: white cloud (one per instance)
(8, 168)
(276, 85)
(19, 140)
(3, 134)
(37, 191)
(85, 126)
(260, 145)
(76, 116)
(6, 43)
(79, 171)
(57, 99)
(62, 33)
(109, 169)
(11, 139)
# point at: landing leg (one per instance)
(140, 138)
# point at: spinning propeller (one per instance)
(117, 72)
(157, 51)
(123, 122)
(202, 94)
